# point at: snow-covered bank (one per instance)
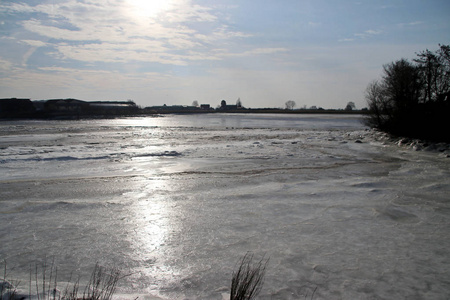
(413, 144)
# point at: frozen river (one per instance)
(176, 201)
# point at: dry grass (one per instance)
(101, 286)
(246, 283)
(7, 289)
(248, 279)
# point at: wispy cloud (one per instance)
(362, 35)
(127, 31)
(368, 33)
(34, 43)
(415, 23)
(257, 51)
(314, 24)
(5, 65)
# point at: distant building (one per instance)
(16, 108)
(112, 107)
(73, 108)
(65, 106)
(179, 109)
(225, 107)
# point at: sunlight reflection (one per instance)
(154, 221)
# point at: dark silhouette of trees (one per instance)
(411, 99)
(16, 108)
(378, 105)
(290, 104)
(350, 106)
(435, 71)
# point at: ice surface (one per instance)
(176, 201)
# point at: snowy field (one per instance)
(176, 201)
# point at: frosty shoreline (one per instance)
(410, 143)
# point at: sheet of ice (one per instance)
(176, 201)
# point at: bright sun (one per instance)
(147, 8)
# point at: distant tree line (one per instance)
(412, 98)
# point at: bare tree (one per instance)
(195, 103)
(435, 71)
(238, 102)
(350, 106)
(393, 100)
(412, 99)
(290, 104)
(402, 83)
(378, 105)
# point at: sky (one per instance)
(320, 53)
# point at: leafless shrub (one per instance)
(102, 284)
(248, 279)
(7, 289)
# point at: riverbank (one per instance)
(412, 144)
